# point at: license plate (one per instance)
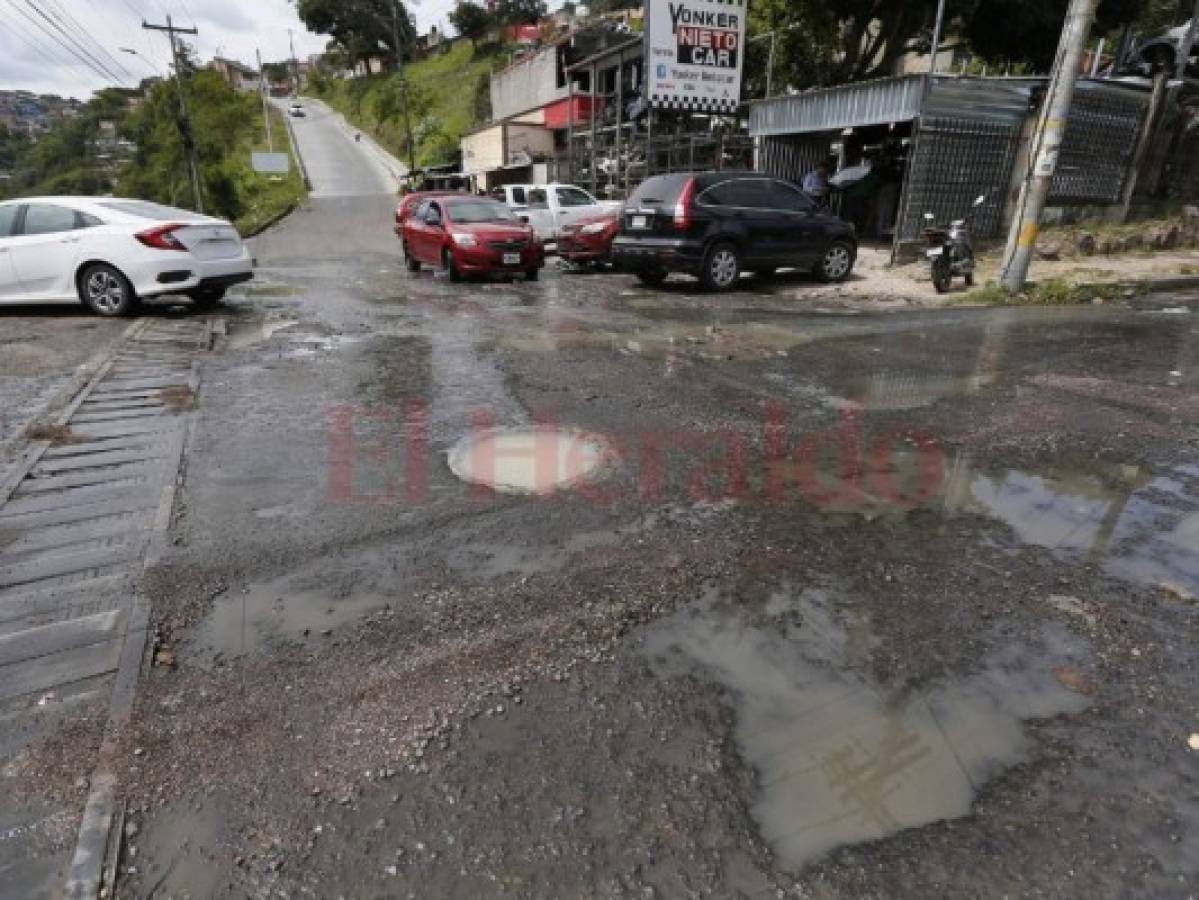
(640, 222)
(512, 259)
(935, 252)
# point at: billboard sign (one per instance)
(695, 50)
(271, 163)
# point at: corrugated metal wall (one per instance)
(953, 161)
(793, 156)
(1101, 138)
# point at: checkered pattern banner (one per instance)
(695, 104)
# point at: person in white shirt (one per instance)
(815, 183)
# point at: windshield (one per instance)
(481, 210)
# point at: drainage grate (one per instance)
(74, 530)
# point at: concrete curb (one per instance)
(273, 220)
(295, 149)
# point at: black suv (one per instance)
(717, 225)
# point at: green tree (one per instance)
(471, 20)
(1028, 31)
(364, 28)
(519, 12)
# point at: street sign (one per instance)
(271, 163)
(695, 50)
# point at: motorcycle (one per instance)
(950, 252)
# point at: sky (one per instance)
(30, 60)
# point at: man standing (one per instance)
(815, 183)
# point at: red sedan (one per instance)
(589, 240)
(465, 235)
(409, 204)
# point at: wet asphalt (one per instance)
(854, 604)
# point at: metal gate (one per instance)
(1097, 149)
(953, 161)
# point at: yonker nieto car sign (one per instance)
(694, 54)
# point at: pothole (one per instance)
(529, 461)
(841, 759)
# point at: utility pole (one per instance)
(295, 66)
(399, 68)
(185, 128)
(937, 27)
(266, 106)
(1047, 144)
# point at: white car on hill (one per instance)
(108, 253)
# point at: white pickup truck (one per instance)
(551, 207)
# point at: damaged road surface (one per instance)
(579, 589)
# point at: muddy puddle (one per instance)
(298, 342)
(529, 461)
(243, 334)
(485, 560)
(839, 759)
(245, 621)
(1140, 526)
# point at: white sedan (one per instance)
(108, 253)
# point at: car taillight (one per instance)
(161, 238)
(682, 209)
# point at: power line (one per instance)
(85, 37)
(75, 44)
(59, 42)
(46, 51)
(61, 28)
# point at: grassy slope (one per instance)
(451, 80)
(264, 197)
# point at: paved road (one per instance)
(337, 165)
(860, 605)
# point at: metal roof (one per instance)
(902, 99)
(847, 106)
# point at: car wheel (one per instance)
(411, 261)
(532, 274)
(205, 297)
(106, 292)
(722, 268)
(447, 263)
(837, 262)
(652, 277)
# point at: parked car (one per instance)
(549, 208)
(466, 235)
(410, 203)
(717, 225)
(589, 240)
(296, 110)
(108, 253)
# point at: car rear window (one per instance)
(661, 190)
(145, 210)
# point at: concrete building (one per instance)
(506, 153)
(239, 77)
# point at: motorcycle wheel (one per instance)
(942, 275)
